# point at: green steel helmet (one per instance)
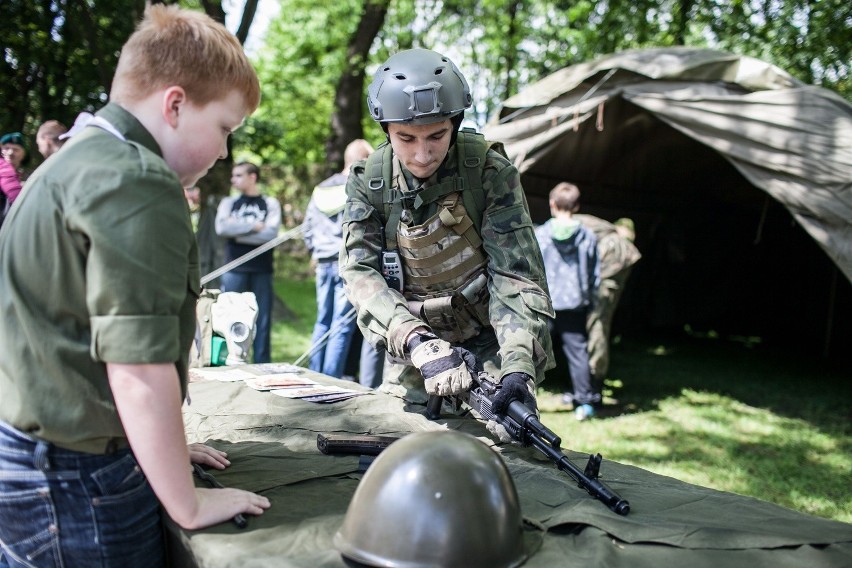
(434, 499)
(417, 86)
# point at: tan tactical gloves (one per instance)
(447, 371)
(444, 367)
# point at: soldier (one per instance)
(617, 254)
(440, 258)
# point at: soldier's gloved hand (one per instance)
(445, 368)
(513, 387)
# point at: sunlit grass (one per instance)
(800, 460)
(294, 285)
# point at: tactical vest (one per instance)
(443, 262)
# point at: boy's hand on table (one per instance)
(219, 505)
(203, 454)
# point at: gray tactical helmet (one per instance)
(434, 499)
(418, 86)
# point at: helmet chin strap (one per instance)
(456, 120)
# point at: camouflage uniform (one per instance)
(616, 255)
(519, 306)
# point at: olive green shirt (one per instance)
(519, 305)
(98, 264)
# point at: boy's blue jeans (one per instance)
(61, 508)
(570, 325)
(332, 306)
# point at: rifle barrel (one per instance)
(594, 487)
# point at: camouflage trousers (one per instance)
(405, 381)
(599, 323)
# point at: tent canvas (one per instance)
(739, 178)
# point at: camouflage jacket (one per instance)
(615, 253)
(519, 303)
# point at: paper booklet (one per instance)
(282, 379)
(242, 373)
(318, 393)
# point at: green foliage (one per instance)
(811, 40)
(502, 45)
(59, 57)
(303, 57)
(294, 285)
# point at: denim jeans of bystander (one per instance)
(372, 365)
(331, 328)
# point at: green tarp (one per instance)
(271, 442)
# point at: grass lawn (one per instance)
(717, 412)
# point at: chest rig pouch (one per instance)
(444, 266)
(442, 260)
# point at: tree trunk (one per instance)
(346, 120)
(218, 180)
(214, 10)
(89, 31)
(682, 23)
(249, 11)
(512, 49)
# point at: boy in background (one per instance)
(571, 263)
(98, 287)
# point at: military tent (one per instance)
(737, 175)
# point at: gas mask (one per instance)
(234, 315)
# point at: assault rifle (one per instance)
(523, 425)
